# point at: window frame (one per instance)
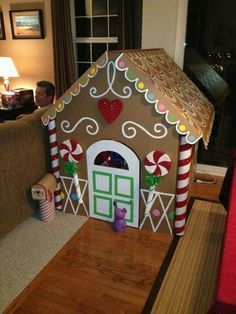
(91, 40)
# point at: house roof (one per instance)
(163, 84)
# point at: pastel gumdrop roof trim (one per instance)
(163, 84)
(75, 89)
(172, 93)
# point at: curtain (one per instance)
(64, 63)
(131, 12)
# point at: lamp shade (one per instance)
(7, 67)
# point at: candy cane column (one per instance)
(55, 161)
(185, 157)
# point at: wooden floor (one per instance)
(100, 271)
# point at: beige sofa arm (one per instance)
(24, 159)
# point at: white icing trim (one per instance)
(134, 131)
(65, 125)
(111, 70)
(156, 101)
(163, 207)
(65, 101)
(68, 193)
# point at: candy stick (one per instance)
(152, 181)
(72, 152)
(71, 169)
(157, 165)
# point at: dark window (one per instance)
(83, 27)
(114, 6)
(111, 159)
(100, 27)
(83, 52)
(99, 7)
(210, 59)
(113, 46)
(79, 8)
(82, 67)
(96, 30)
(98, 50)
(113, 26)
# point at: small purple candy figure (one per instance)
(119, 223)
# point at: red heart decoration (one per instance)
(110, 109)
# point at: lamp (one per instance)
(7, 69)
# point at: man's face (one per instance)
(41, 98)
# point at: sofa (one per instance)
(24, 159)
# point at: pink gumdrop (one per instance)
(121, 64)
(161, 107)
(156, 212)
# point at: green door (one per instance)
(108, 184)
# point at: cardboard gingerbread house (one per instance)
(125, 132)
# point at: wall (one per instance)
(164, 23)
(164, 26)
(33, 57)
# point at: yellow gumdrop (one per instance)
(92, 71)
(182, 127)
(140, 85)
(59, 106)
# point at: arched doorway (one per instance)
(113, 175)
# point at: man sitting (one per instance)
(44, 96)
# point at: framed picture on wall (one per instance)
(2, 28)
(26, 24)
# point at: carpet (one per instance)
(28, 248)
(189, 284)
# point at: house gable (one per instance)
(164, 85)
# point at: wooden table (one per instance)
(13, 113)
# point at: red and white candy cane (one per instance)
(156, 163)
(55, 161)
(185, 158)
(71, 151)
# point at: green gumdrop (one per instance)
(171, 215)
